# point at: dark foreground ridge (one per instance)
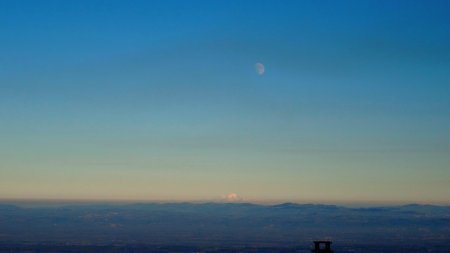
(222, 227)
(143, 248)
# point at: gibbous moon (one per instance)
(260, 69)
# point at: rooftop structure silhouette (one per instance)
(322, 247)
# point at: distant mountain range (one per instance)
(236, 224)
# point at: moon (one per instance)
(260, 69)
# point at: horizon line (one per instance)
(218, 201)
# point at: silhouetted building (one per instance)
(322, 247)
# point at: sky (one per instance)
(160, 100)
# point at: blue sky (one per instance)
(159, 100)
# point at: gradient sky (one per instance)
(159, 100)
